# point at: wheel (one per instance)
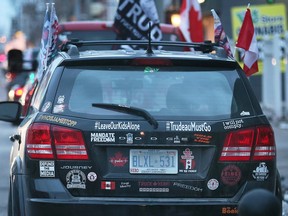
(13, 203)
(9, 207)
(279, 192)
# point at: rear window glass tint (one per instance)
(163, 92)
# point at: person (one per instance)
(259, 202)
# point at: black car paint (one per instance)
(25, 178)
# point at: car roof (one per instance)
(202, 51)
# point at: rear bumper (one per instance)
(60, 202)
(129, 207)
(50, 197)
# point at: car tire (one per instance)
(279, 192)
(9, 207)
(13, 204)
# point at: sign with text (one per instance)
(267, 19)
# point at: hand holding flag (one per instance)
(247, 41)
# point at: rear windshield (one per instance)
(161, 91)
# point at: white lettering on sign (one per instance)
(130, 14)
(117, 126)
(233, 124)
(47, 168)
(191, 126)
(102, 137)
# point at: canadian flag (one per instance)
(191, 21)
(108, 185)
(247, 41)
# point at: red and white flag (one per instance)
(247, 41)
(108, 185)
(191, 21)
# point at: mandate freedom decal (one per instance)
(191, 126)
(102, 137)
(117, 126)
(56, 119)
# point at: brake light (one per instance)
(68, 143)
(152, 62)
(265, 144)
(257, 142)
(19, 92)
(238, 145)
(38, 141)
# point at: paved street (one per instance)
(281, 136)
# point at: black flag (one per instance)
(132, 20)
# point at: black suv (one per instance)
(140, 132)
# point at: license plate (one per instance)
(153, 161)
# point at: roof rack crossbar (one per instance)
(205, 47)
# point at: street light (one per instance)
(175, 19)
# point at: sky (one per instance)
(6, 13)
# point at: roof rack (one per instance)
(205, 47)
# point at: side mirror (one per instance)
(15, 60)
(10, 111)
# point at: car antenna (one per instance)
(149, 48)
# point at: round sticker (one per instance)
(92, 176)
(213, 184)
(231, 175)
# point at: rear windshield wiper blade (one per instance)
(129, 110)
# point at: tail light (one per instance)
(38, 141)
(69, 144)
(256, 143)
(238, 145)
(49, 142)
(265, 144)
(18, 92)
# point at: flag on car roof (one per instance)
(191, 21)
(52, 33)
(248, 42)
(48, 39)
(220, 36)
(132, 20)
(44, 39)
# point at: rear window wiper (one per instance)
(129, 110)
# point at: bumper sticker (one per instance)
(261, 173)
(47, 168)
(76, 179)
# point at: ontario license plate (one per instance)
(153, 161)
